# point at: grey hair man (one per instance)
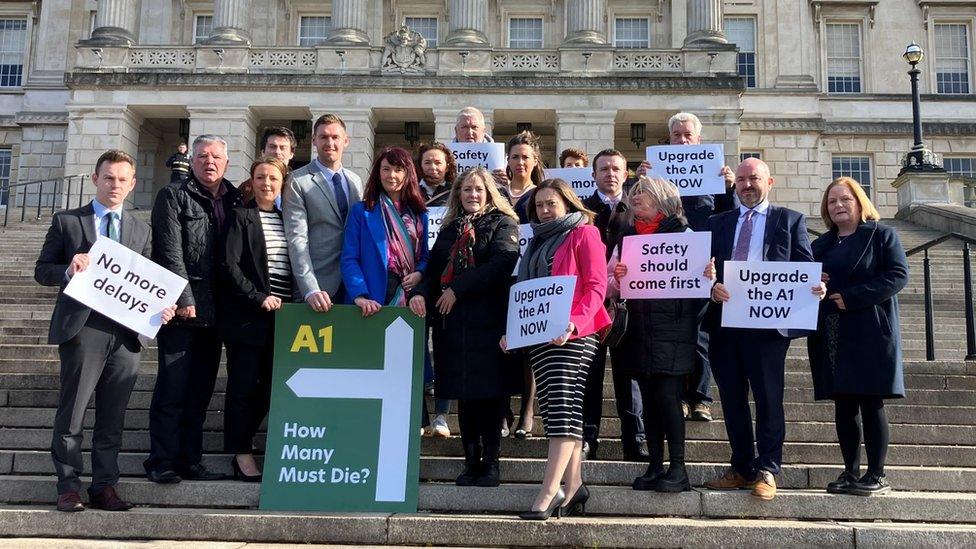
(187, 220)
(470, 127)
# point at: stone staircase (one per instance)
(932, 459)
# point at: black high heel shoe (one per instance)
(239, 475)
(554, 507)
(577, 504)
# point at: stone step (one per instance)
(527, 470)
(712, 451)
(482, 530)
(803, 431)
(617, 501)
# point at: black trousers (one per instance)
(628, 400)
(663, 417)
(480, 420)
(741, 360)
(102, 360)
(188, 363)
(876, 435)
(248, 395)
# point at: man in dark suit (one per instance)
(98, 355)
(187, 223)
(749, 358)
(610, 173)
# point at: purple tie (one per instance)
(741, 252)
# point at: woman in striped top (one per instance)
(256, 281)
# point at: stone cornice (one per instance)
(783, 124)
(901, 128)
(277, 82)
(37, 118)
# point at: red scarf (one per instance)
(648, 227)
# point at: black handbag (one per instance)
(614, 333)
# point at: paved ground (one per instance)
(50, 543)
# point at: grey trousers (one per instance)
(103, 359)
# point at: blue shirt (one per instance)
(327, 173)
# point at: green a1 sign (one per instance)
(345, 410)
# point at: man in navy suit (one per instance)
(742, 358)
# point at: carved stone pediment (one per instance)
(405, 52)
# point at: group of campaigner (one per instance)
(319, 235)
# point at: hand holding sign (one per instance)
(771, 294)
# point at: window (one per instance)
(964, 167)
(4, 175)
(313, 29)
(426, 26)
(750, 154)
(856, 167)
(952, 58)
(632, 32)
(525, 33)
(843, 58)
(13, 37)
(202, 28)
(741, 31)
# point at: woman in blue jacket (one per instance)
(385, 240)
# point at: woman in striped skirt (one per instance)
(565, 242)
(256, 280)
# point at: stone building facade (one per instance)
(814, 87)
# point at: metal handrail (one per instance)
(967, 275)
(55, 195)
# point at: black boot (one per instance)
(489, 468)
(675, 480)
(472, 466)
(648, 480)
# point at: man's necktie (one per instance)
(111, 227)
(741, 252)
(340, 195)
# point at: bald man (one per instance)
(744, 358)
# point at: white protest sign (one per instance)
(771, 294)
(538, 310)
(525, 235)
(435, 216)
(125, 286)
(472, 155)
(666, 266)
(580, 179)
(694, 169)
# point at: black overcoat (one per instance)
(868, 271)
(468, 362)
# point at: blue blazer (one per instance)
(785, 239)
(365, 256)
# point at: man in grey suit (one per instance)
(98, 355)
(317, 199)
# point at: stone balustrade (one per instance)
(339, 60)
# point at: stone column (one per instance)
(705, 23)
(349, 22)
(585, 22)
(231, 19)
(237, 126)
(466, 23)
(94, 130)
(591, 131)
(115, 23)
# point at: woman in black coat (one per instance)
(658, 348)
(855, 355)
(256, 280)
(466, 283)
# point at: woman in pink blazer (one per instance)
(565, 242)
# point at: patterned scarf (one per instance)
(402, 244)
(461, 257)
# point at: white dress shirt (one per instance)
(758, 230)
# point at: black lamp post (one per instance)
(411, 132)
(919, 158)
(638, 134)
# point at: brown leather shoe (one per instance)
(731, 480)
(108, 500)
(70, 502)
(765, 487)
